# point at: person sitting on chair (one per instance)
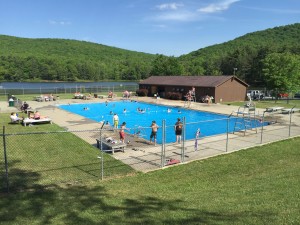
(14, 118)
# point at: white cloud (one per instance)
(216, 7)
(167, 6)
(173, 12)
(176, 16)
(61, 23)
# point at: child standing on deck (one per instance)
(122, 132)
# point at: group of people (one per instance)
(190, 96)
(178, 127)
(141, 110)
(122, 127)
(36, 115)
(154, 128)
(46, 98)
(78, 95)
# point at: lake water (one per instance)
(36, 85)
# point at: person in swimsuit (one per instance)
(154, 128)
(178, 130)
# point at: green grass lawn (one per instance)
(270, 103)
(254, 186)
(45, 154)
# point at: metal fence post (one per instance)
(183, 140)
(227, 135)
(291, 120)
(163, 150)
(262, 127)
(5, 160)
(101, 157)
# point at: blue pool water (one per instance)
(209, 123)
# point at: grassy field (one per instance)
(254, 186)
(270, 103)
(49, 155)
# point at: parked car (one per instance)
(255, 94)
(283, 95)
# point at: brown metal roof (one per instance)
(196, 81)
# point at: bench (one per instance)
(30, 121)
(289, 111)
(274, 109)
(111, 147)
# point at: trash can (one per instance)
(11, 103)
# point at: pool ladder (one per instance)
(245, 119)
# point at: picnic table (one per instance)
(111, 147)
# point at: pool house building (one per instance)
(221, 88)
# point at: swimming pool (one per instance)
(209, 123)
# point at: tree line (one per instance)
(33, 68)
(69, 60)
(251, 57)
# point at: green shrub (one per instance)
(142, 92)
(174, 95)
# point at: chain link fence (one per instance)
(31, 161)
(103, 89)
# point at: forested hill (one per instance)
(243, 55)
(24, 59)
(69, 60)
(278, 38)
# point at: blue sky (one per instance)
(164, 27)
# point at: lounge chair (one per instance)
(274, 109)
(15, 121)
(291, 110)
(31, 121)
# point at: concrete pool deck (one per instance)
(148, 157)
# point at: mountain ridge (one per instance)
(27, 59)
